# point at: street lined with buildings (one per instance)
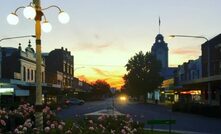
(144, 112)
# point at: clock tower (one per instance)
(160, 51)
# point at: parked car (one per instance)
(75, 101)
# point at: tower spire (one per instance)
(159, 24)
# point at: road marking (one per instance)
(105, 112)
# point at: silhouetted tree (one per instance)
(143, 74)
(101, 88)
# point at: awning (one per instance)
(20, 92)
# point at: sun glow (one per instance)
(111, 76)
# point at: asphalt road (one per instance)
(144, 112)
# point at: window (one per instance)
(24, 73)
(68, 69)
(64, 67)
(220, 66)
(28, 74)
(35, 75)
(31, 74)
(71, 70)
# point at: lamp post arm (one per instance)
(16, 10)
(8, 38)
(189, 36)
(51, 7)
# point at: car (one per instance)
(75, 101)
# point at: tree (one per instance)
(101, 87)
(143, 74)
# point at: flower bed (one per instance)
(21, 121)
(105, 125)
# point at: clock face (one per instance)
(159, 41)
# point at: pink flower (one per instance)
(25, 129)
(123, 131)
(91, 128)
(128, 116)
(16, 130)
(44, 111)
(134, 130)
(47, 129)
(90, 121)
(6, 116)
(100, 125)
(127, 128)
(55, 123)
(62, 123)
(58, 108)
(2, 122)
(100, 118)
(112, 131)
(60, 127)
(29, 125)
(68, 132)
(20, 127)
(52, 126)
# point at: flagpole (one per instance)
(159, 25)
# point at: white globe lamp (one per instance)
(46, 27)
(12, 19)
(63, 17)
(29, 12)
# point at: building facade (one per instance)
(211, 57)
(20, 65)
(188, 71)
(18, 71)
(211, 70)
(60, 68)
(199, 80)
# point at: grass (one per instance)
(157, 132)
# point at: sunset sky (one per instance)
(103, 34)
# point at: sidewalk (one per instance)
(176, 131)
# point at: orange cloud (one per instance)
(100, 72)
(92, 47)
(182, 51)
(113, 77)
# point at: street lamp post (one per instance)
(34, 11)
(208, 65)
